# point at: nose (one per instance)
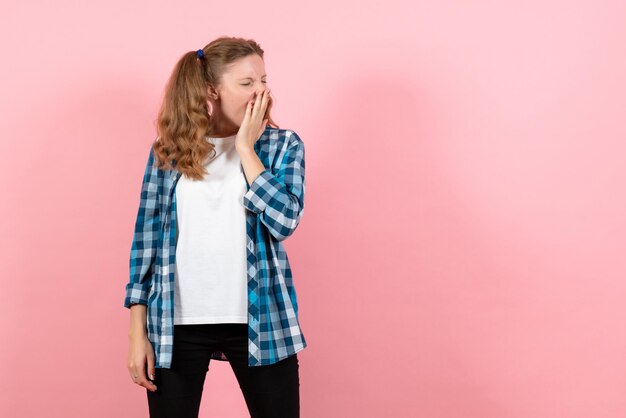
(258, 93)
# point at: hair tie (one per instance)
(200, 54)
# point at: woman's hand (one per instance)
(254, 121)
(140, 354)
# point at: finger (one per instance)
(265, 99)
(259, 104)
(151, 370)
(248, 112)
(139, 377)
(269, 106)
(143, 381)
(261, 129)
(137, 374)
(266, 102)
(270, 102)
(149, 362)
(255, 104)
(146, 384)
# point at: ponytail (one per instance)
(183, 119)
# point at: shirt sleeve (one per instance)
(279, 198)
(145, 239)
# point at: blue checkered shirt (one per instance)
(275, 204)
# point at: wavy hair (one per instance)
(183, 119)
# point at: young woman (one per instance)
(209, 276)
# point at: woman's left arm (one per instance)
(279, 198)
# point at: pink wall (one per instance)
(462, 251)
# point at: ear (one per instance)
(211, 92)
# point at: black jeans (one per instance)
(271, 390)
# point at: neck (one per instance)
(219, 129)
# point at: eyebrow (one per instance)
(246, 78)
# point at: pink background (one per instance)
(462, 250)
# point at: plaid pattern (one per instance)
(275, 204)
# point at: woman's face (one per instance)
(242, 78)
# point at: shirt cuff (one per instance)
(136, 293)
(262, 190)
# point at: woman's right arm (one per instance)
(140, 351)
(145, 239)
(138, 321)
(142, 258)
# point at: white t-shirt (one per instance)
(210, 270)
